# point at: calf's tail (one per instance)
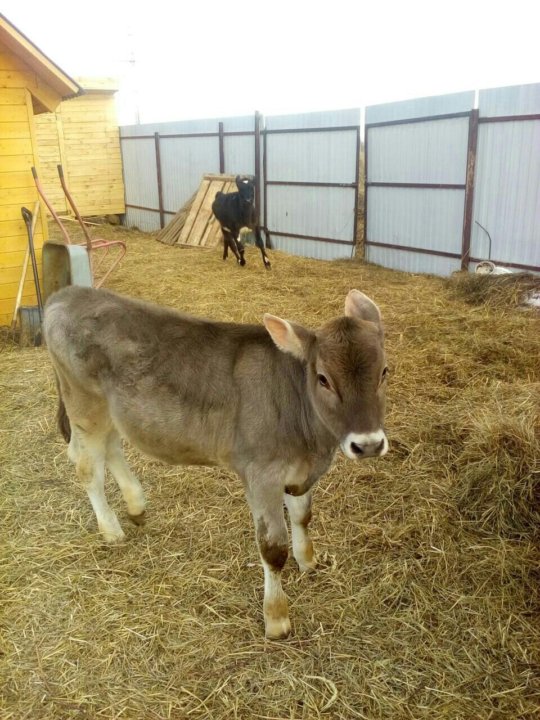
(62, 417)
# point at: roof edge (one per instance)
(61, 81)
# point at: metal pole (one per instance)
(159, 181)
(258, 167)
(469, 190)
(221, 150)
(365, 189)
(356, 190)
(268, 242)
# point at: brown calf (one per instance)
(273, 403)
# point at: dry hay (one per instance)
(426, 605)
(514, 289)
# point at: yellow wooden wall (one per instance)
(48, 126)
(83, 136)
(17, 155)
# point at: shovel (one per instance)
(27, 217)
(23, 273)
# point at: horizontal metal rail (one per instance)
(238, 133)
(409, 121)
(335, 128)
(408, 248)
(300, 183)
(169, 136)
(435, 186)
(509, 118)
(149, 209)
(296, 236)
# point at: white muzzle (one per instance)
(363, 445)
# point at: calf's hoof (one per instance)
(242, 262)
(308, 567)
(113, 537)
(139, 519)
(277, 628)
(111, 530)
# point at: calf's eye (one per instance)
(323, 381)
(384, 373)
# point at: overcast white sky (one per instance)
(204, 58)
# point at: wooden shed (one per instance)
(30, 84)
(83, 136)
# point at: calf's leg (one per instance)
(90, 468)
(266, 503)
(87, 418)
(225, 245)
(129, 485)
(229, 241)
(239, 249)
(299, 509)
(260, 245)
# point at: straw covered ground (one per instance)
(426, 603)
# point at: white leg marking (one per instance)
(276, 610)
(128, 483)
(91, 473)
(264, 492)
(299, 509)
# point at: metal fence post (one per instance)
(469, 189)
(258, 123)
(258, 167)
(356, 190)
(268, 242)
(365, 236)
(221, 149)
(159, 181)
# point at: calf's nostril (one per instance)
(380, 447)
(357, 450)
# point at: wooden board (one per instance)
(83, 136)
(201, 229)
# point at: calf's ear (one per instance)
(293, 339)
(358, 305)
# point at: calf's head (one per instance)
(246, 187)
(346, 373)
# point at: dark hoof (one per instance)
(138, 519)
(242, 262)
(267, 266)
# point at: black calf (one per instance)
(234, 211)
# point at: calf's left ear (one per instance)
(358, 305)
(293, 339)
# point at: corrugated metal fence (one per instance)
(310, 183)
(164, 162)
(447, 185)
(308, 169)
(507, 183)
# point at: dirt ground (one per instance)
(426, 603)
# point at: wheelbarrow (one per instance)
(68, 263)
